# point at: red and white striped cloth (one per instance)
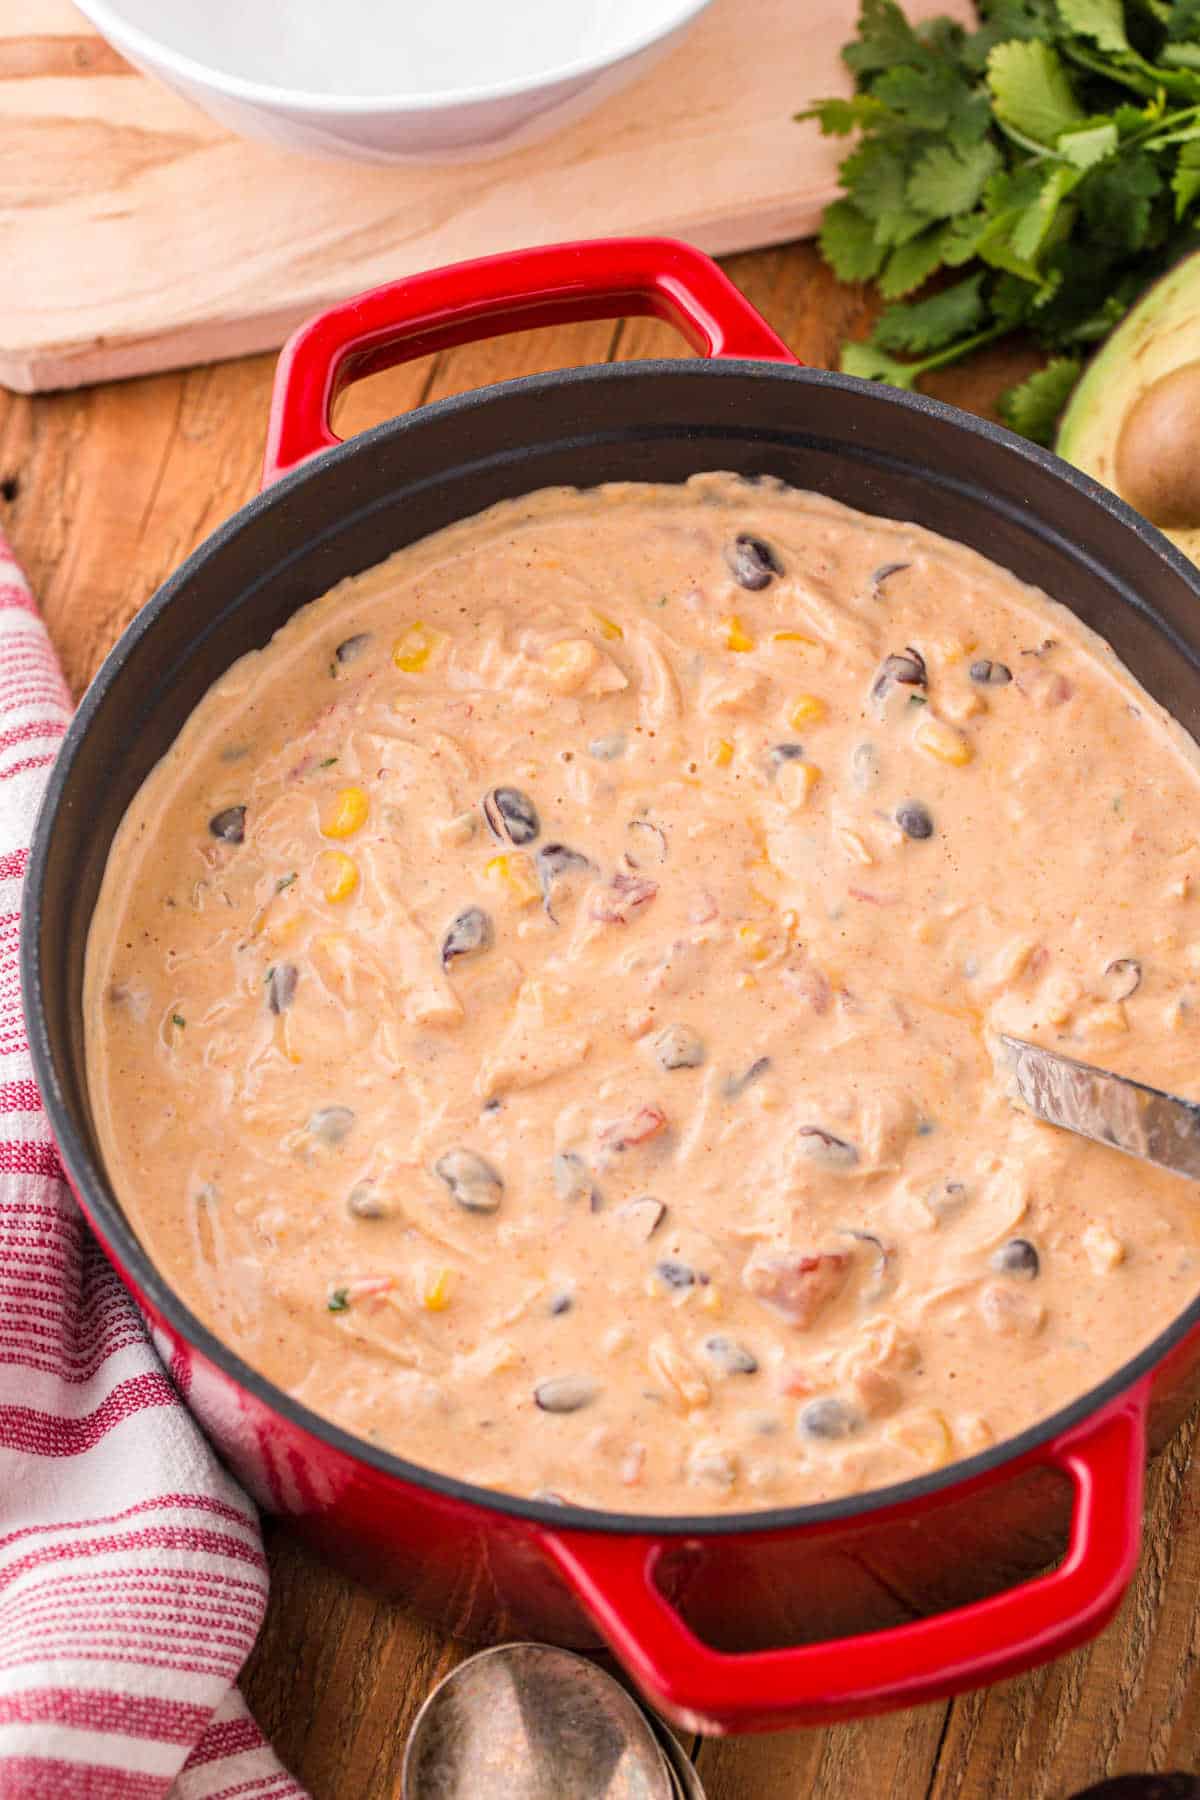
(132, 1575)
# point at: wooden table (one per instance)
(102, 493)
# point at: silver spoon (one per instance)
(530, 1722)
(1141, 1121)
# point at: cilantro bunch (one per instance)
(1048, 161)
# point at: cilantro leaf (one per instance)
(933, 323)
(1032, 92)
(928, 99)
(962, 238)
(870, 364)
(839, 117)
(1034, 406)
(1101, 20)
(1116, 199)
(847, 242)
(877, 178)
(1006, 19)
(1090, 145)
(913, 263)
(1184, 21)
(1033, 226)
(1051, 156)
(885, 38)
(945, 182)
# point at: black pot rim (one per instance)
(120, 1241)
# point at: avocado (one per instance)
(1133, 421)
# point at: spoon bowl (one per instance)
(531, 1722)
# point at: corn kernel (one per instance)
(514, 874)
(943, 742)
(720, 752)
(608, 627)
(796, 781)
(736, 636)
(347, 815)
(793, 637)
(338, 875)
(808, 709)
(412, 651)
(710, 1299)
(951, 650)
(570, 662)
(436, 1295)
(752, 942)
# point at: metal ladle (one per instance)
(531, 1722)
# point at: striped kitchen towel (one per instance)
(132, 1575)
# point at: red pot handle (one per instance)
(607, 278)
(711, 1690)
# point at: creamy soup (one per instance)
(539, 1010)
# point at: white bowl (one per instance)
(394, 80)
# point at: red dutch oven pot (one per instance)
(735, 1623)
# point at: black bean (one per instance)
(363, 1202)
(474, 1184)
(554, 862)
(573, 1181)
(752, 563)
(565, 1393)
(678, 1047)
(511, 815)
(607, 749)
(229, 825)
(884, 572)
(351, 647)
(737, 1084)
(880, 1277)
(1123, 977)
(914, 820)
(675, 1274)
(1017, 1257)
(907, 669)
(470, 932)
(642, 1216)
(560, 1304)
(823, 1147)
(828, 1418)
(281, 986)
(730, 1356)
(990, 674)
(785, 753)
(331, 1123)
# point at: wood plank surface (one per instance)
(188, 244)
(102, 493)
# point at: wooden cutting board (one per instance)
(137, 234)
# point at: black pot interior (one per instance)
(889, 454)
